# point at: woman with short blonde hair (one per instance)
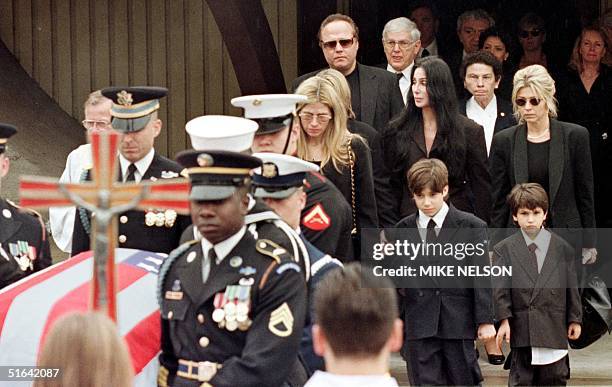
(344, 157)
(537, 78)
(88, 351)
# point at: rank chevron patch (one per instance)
(281, 321)
(316, 219)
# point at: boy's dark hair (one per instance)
(527, 195)
(427, 173)
(482, 57)
(356, 311)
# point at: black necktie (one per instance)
(131, 173)
(399, 77)
(534, 258)
(431, 236)
(425, 53)
(209, 263)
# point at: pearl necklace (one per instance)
(537, 137)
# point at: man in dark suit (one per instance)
(24, 244)
(442, 321)
(134, 113)
(481, 74)
(470, 25)
(539, 306)
(375, 96)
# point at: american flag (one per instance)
(29, 307)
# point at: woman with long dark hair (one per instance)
(431, 127)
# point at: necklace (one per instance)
(539, 136)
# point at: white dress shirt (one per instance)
(438, 218)
(484, 117)
(141, 165)
(432, 49)
(404, 82)
(540, 355)
(62, 218)
(326, 379)
(222, 249)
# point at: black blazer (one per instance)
(443, 312)
(469, 191)
(387, 216)
(570, 174)
(505, 118)
(541, 306)
(132, 223)
(381, 99)
(365, 202)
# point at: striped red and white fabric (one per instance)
(29, 307)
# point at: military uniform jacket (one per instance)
(261, 355)
(326, 218)
(23, 237)
(134, 233)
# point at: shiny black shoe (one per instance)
(496, 359)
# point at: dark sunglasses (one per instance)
(332, 44)
(525, 34)
(523, 101)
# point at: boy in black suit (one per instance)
(443, 322)
(539, 307)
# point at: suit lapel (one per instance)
(521, 167)
(450, 225)
(419, 139)
(8, 226)
(521, 255)
(367, 86)
(153, 170)
(191, 272)
(555, 159)
(550, 266)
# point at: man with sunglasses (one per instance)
(97, 118)
(375, 97)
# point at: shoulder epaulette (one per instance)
(33, 213)
(272, 250)
(165, 266)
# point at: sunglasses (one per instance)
(533, 33)
(523, 101)
(332, 44)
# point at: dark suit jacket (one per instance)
(541, 306)
(381, 99)
(505, 118)
(132, 223)
(387, 216)
(469, 191)
(570, 175)
(448, 313)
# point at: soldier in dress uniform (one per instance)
(280, 183)
(134, 114)
(326, 218)
(24, 244)
(232, 306)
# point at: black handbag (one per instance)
(596, 311)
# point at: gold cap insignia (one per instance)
(281, 321)
(205, 160)
(124, 98)
(256, 102)
(269, 170)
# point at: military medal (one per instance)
(230, 306)
(243, 326)
(160, 220)
(150, 218)
(218, 314)
(23, 253)
(231, 325)
(242, 307)
(170, 218)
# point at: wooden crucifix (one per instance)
(105, 198)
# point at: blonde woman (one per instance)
(344, 157)
(87, 349)
(543, 150)
(385, 204)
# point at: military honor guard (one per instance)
(24, 244)
(232, 306)
(280, 184)
(134, 114)
(326, 218)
